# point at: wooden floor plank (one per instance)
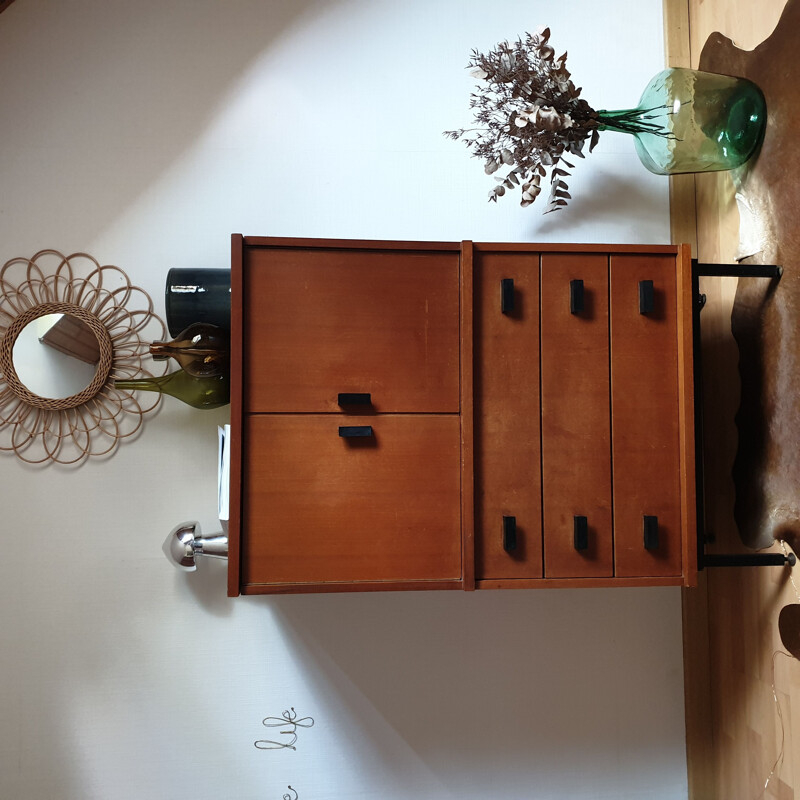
(731, 621)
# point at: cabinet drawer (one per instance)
(321, 508)
(319, 322)
(576, 435)
(508, 506)
(644, 416)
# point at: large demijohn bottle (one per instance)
(691, 121)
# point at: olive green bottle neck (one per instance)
(148, 384)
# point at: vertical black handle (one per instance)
(580, 533)
(647, 302)
(507, 295)
(509, 534)
(575, 296)
(650, 530)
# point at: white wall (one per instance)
(145, 133)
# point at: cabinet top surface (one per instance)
(378, 244)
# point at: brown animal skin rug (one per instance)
(766, 314)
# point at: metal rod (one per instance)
(736, 270)
(697, 366)
(703, 560)
(750, 560)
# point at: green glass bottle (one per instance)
(691, 121)
(207, 392)
(202, 350)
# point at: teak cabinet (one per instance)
(419, 415)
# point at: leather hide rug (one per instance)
(766, 314)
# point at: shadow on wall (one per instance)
(492, 689)
(206, 586)
(619, 198)
(147, 61)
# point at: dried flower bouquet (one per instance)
(532, 116)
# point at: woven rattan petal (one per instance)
(93, 421)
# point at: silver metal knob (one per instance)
(185, 543)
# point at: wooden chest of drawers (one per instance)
(458, 415)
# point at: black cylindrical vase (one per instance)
(197, 295)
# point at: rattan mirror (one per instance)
(69, 327)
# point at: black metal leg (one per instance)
(749, 560)
(771, 271)
(736, 270)
(697, 361)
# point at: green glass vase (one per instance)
(206, 392)
(691, 121)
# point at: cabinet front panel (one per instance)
(644, 403)
(322, 507)
(576, 433)
(507, 422)
(320, 322)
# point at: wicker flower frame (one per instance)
(93, 421)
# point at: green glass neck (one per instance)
(148, 384)
(634, 120)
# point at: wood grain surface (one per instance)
(237, 378)
(320, 508)
(733, 729)
(323, 321)
(467, 417)
(764, 318)
(644, 420)
(507, 416)
(576, 430)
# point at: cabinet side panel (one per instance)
(686, 391)
(576, 431)
(235, 489)
(467, 420)
(645, 424)
(507, 419)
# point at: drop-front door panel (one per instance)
(320, 322)
(329, 507)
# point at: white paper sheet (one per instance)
(224, 471)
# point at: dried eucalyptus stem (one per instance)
(531, 116)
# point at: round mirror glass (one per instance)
(56, 355)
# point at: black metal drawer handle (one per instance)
(354, 399)
(580, 533)
(647, 300)
(509, 534)
(507, 295)
(355, 431)
(650, 531)
(576, 296)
